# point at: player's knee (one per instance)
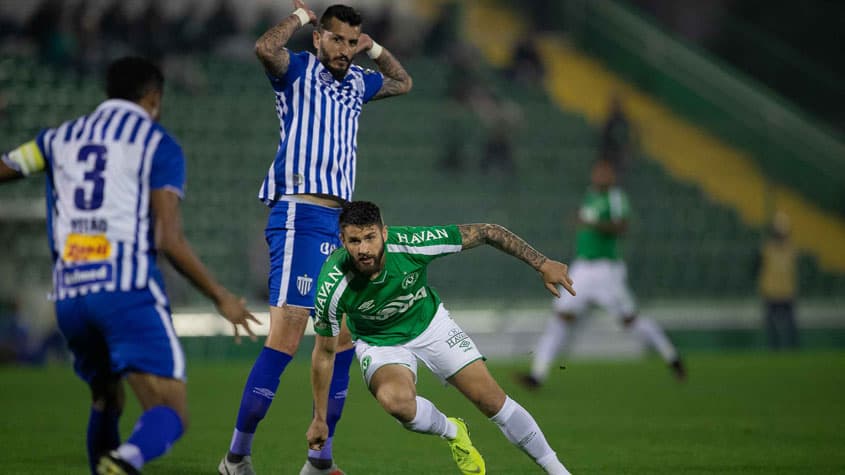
(489, 401)
(185, 418)
(287, 325)
(107, 394)
(399, 402)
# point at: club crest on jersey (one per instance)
(325, 76)
(304, 284)
(410, 280)
(327, 248)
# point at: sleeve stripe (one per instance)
(432, 250)
(338, 293)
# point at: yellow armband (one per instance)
(26, 159)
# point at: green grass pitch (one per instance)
(738, 413)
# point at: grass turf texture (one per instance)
(739, 413)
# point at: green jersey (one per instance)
(601, 207)
(398, 305)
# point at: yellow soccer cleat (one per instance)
(469, 461)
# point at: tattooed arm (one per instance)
(397, 81)
(270, 48)
(552, 272)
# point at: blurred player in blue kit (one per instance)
(318, 99)
(115, 179)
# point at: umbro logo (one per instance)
(368, 305)
(264, 392)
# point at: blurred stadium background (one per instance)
(735, 111)
(733, 115)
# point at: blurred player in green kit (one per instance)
(601, 278)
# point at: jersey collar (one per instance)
(124, 104)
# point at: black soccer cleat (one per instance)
(678, 369)
(527, 381)
(112, 464)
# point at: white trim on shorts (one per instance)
(287, 260)
(175, 347)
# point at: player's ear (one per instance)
(384, 233)
(315, 35)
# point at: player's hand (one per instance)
(311, 15)
(556, 273)
(317, 434)
(233, 308)
(365, 42)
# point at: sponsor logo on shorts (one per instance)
(365, 363)
(304, 284)
(457, 336)
(410, 280)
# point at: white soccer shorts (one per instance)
(600, 282)
(443, 347)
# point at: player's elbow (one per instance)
(408, 85)
(263, 51)
(168, 240)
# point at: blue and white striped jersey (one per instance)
(100, 170)
(318, 128)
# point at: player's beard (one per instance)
(374, 265)
(328, 63)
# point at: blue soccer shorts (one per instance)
(300, 237)
(111, 333)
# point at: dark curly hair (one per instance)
(360, 213)
(343, 13)
(131, 78)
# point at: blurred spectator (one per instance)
(444, 33)
(478, 121)
(51, 26)
(527, 68)
(617, 137)
(500, 117)
(777, 278)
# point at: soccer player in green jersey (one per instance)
(601, 275)
(378, 280)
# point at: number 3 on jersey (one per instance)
(97, 155)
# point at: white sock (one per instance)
(429, 420)
(131, 454)
(650, 331)
(547, 348)
(522, 431)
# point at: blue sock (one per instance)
(258, 394)
(337, 397)
(103, 434)
(156, 430)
